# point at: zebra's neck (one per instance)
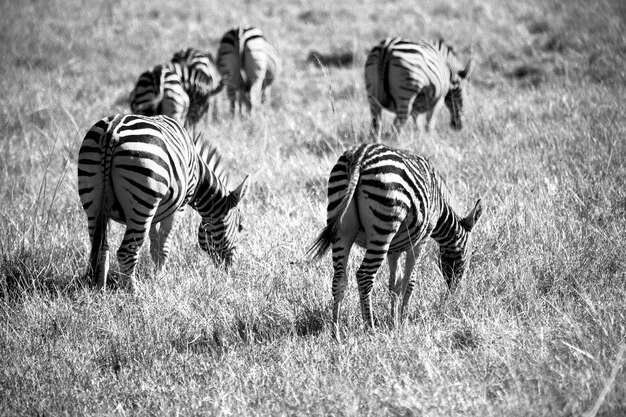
(449, 233)
(211, 194)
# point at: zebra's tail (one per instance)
(106, 202)
(99, 238)
(329, 233)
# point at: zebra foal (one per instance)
(390, 201)
(412, 78)
(140, 171)
(248, 65)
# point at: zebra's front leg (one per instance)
(266, 95)
(375, 128)
(402, 114)
(413, 256)
(431, 116)
(160, 241)
(231, 92)
(392, 259)
(255, 95)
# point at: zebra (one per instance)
(160, 91)
(141, 171)
(248, 64)
(199, 77)
(389, 201)
(415, 78)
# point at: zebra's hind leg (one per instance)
(372, 261)
(128, 253)
(101, 279)
(341, 251)
(160, 241)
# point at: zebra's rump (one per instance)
(397, 69)
(146, 160)
(242, 52)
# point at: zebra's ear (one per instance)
(470, 220)
(238, 193)
(467, 71)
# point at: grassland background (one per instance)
(534, 328)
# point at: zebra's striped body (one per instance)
(390, 201)
(415, 78)
(160, 91)
(248, 64)
(199, 76)
(141, 171)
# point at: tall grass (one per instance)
(534, 329)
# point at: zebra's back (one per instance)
(248, 64)
(410, 78)
(398, 194)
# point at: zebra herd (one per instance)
(141, 169)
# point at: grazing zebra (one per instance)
(248, 64)
(141, 171)
(199, 77)
(160, 91)
(406, 77)
(390, 201)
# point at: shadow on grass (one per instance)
(27, 272)
(310, 322)
(337, 59)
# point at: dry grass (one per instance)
(535, 327)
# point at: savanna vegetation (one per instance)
(534, 329)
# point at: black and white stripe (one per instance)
(390, 201)
(160, 91)
(141, 171)
(414, 78)
(248, 65)
(199, 77)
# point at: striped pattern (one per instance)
(160, 91)
(248, 64)
(415, 78)
(199, 77)
(390, 201)
(141, 171)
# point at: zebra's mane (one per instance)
(449, 53)
(446, 195)
(212, 158)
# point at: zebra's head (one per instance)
(455, 256)
(456, 93)
(198, 106)
(200, 99)
(218, 234)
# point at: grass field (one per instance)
(536, 326)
